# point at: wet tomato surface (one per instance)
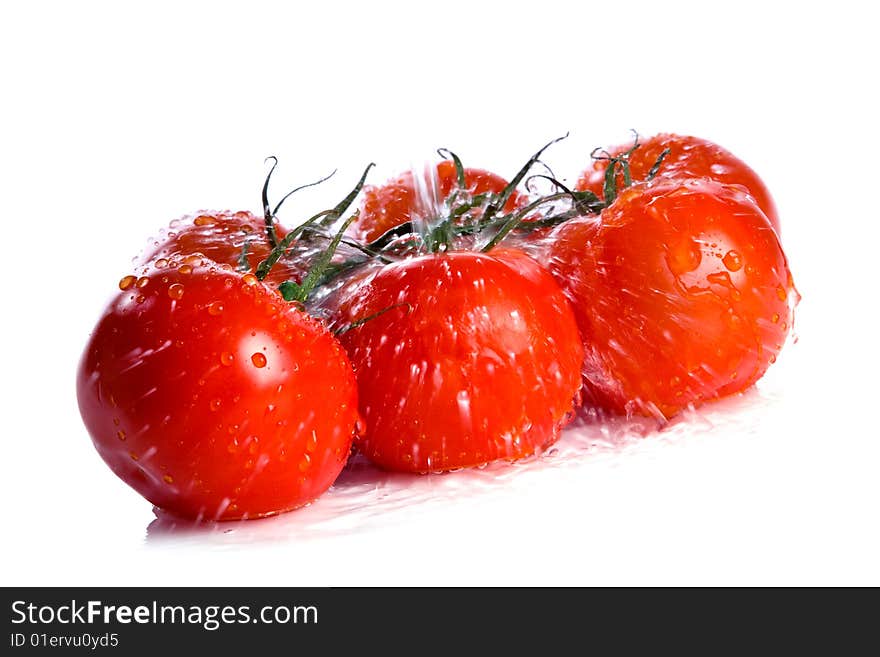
(213, 398)
(687, 157)
(681, 291)
(233, 239)
(461, 358)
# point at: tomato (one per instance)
(681, 291)
(221, 237)
(688, 157)
(461, 358)
(394, 203)
(212, 397)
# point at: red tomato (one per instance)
(681, 291)
(393, 203)
(221, 237)
(462, 358)
(213, 398)
(689, 157)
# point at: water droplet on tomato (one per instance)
(161, 263)
(120, 434)
(775, 318)
(215, 308)
(226, 358)
(204, 220)
(215, 404)
(781, 293)
(733, 261)
(126, 282)
(249, 279)
(684, 257)
(175, 291)
(185, 269)
(168, 479)
(143, 281)
(259, 360)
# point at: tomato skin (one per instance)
(212, 398)
(468, 358)
(393, 203)
(689, 157)
(681, 291)
(220, 236)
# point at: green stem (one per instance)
(507, 192)
(268, 216)
(296, 189)
(292, 291)
(324, 219)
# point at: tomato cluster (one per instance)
(448, 322)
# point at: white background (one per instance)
(116, 120)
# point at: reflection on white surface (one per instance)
(365, 496)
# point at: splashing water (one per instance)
(428, 206)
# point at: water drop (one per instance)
(143, 281)
(161, 263)
(204, 220)
(185, 269)
(168, 479)
(226, 358)
(175, 291)
(259, 360)
(126, 282)
(733, 261)
(684, 257)
(215, 308)
(120, 434)
(215, 404)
